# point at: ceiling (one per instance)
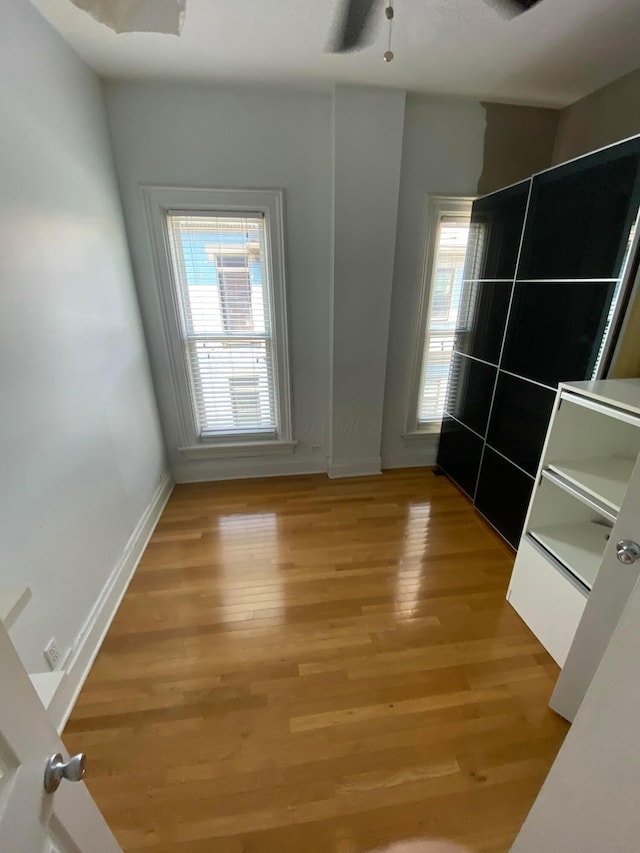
(552, 55)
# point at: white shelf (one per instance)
(12, 603)
(46, 685)
(582, 496)
(620, 393)
(579, 547)
(605, 478)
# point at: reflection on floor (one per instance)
(312, 666)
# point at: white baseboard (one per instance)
(358, 468)
(407, 459)
(390, 463)
(83, 653)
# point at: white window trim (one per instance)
(158, 201)
(435, 207)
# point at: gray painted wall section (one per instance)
(518, 142)
(606, 116)
(80, 446)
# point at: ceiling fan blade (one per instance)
(511, 8)
(353, 25)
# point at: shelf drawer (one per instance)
(575, 532)
(549, 603)
(579, 547)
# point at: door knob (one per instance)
(56, 770)
(628, 551)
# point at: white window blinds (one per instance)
(221, 276)
(444, 302)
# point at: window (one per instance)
(220, 264)
(441, 291)
(220, 274)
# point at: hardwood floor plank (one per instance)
(305, 664)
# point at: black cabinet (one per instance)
(545, 262)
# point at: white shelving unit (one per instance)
(588, 461)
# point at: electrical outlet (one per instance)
(52, 653)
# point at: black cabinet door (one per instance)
(495, 233)
(580, 216)
(555, 329)
(482, 318)
(459, 453)
(519, 420)
(503, 495)
(471, 386)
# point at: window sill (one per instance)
(238, 450)
(425, 436)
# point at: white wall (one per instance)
(80, 448)
(342, 162)
(442, 155)
(368, 125)
(204, 136)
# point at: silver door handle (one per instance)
(628, 551)
(56, 769)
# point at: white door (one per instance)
(589, 801)
(611, 590)
(32, 821)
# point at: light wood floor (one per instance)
(312, 666)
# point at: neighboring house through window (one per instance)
(447, 232)
(220, 259)
(246, 402)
